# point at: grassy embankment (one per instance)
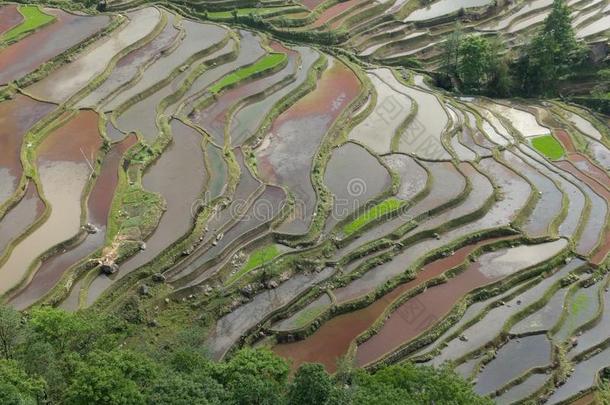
(256, 259)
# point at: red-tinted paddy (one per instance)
(179, 175)
(334, 337)
(9, 17)
(17, 116)
(214, 118)
(334, 11)
(64, 168)
(98, 205)
(302, 127)
(27, 54)
(311, 4)
(424, 310)
(565, 140)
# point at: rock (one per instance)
(463, 338)
(142, 245)
(144, 290)
(167, 300)
(90, 229)
(247, 291)
(519, 302)
(153, 323)
(271, 284)
(158, 277)
(109, 267)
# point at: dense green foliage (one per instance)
(475, 61)
(51, 356)
(552, 55)
(33, 18)
(481, 64)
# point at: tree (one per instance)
(475, 62)
(11, 331)
(16, 387)
(312, 386)
(451, 53)
(112, 378)
(415, 385)
(552, 55)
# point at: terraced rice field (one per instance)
(291, 197)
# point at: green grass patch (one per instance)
(548, 146)
(256, 259)
(378, 211)
(33, 18)
(268, 62)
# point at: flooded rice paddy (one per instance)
(469, 233)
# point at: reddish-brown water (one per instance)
(565, 140)
(302, 127)
(179, 175)
(17, 116)
(311, 4)
(334, 11)
(585, 165)
(214, 118)
(9, 17)
(98, 204)
(64, 159)
(419, 313)
(334, 337)
(27, 54)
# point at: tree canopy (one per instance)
(85, 358)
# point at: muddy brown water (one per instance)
(179, 175)
(63, 165)
(9, 17)
(26, 55)
(98, 209)
(17, 116)
(303, 127)
(334, 337)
